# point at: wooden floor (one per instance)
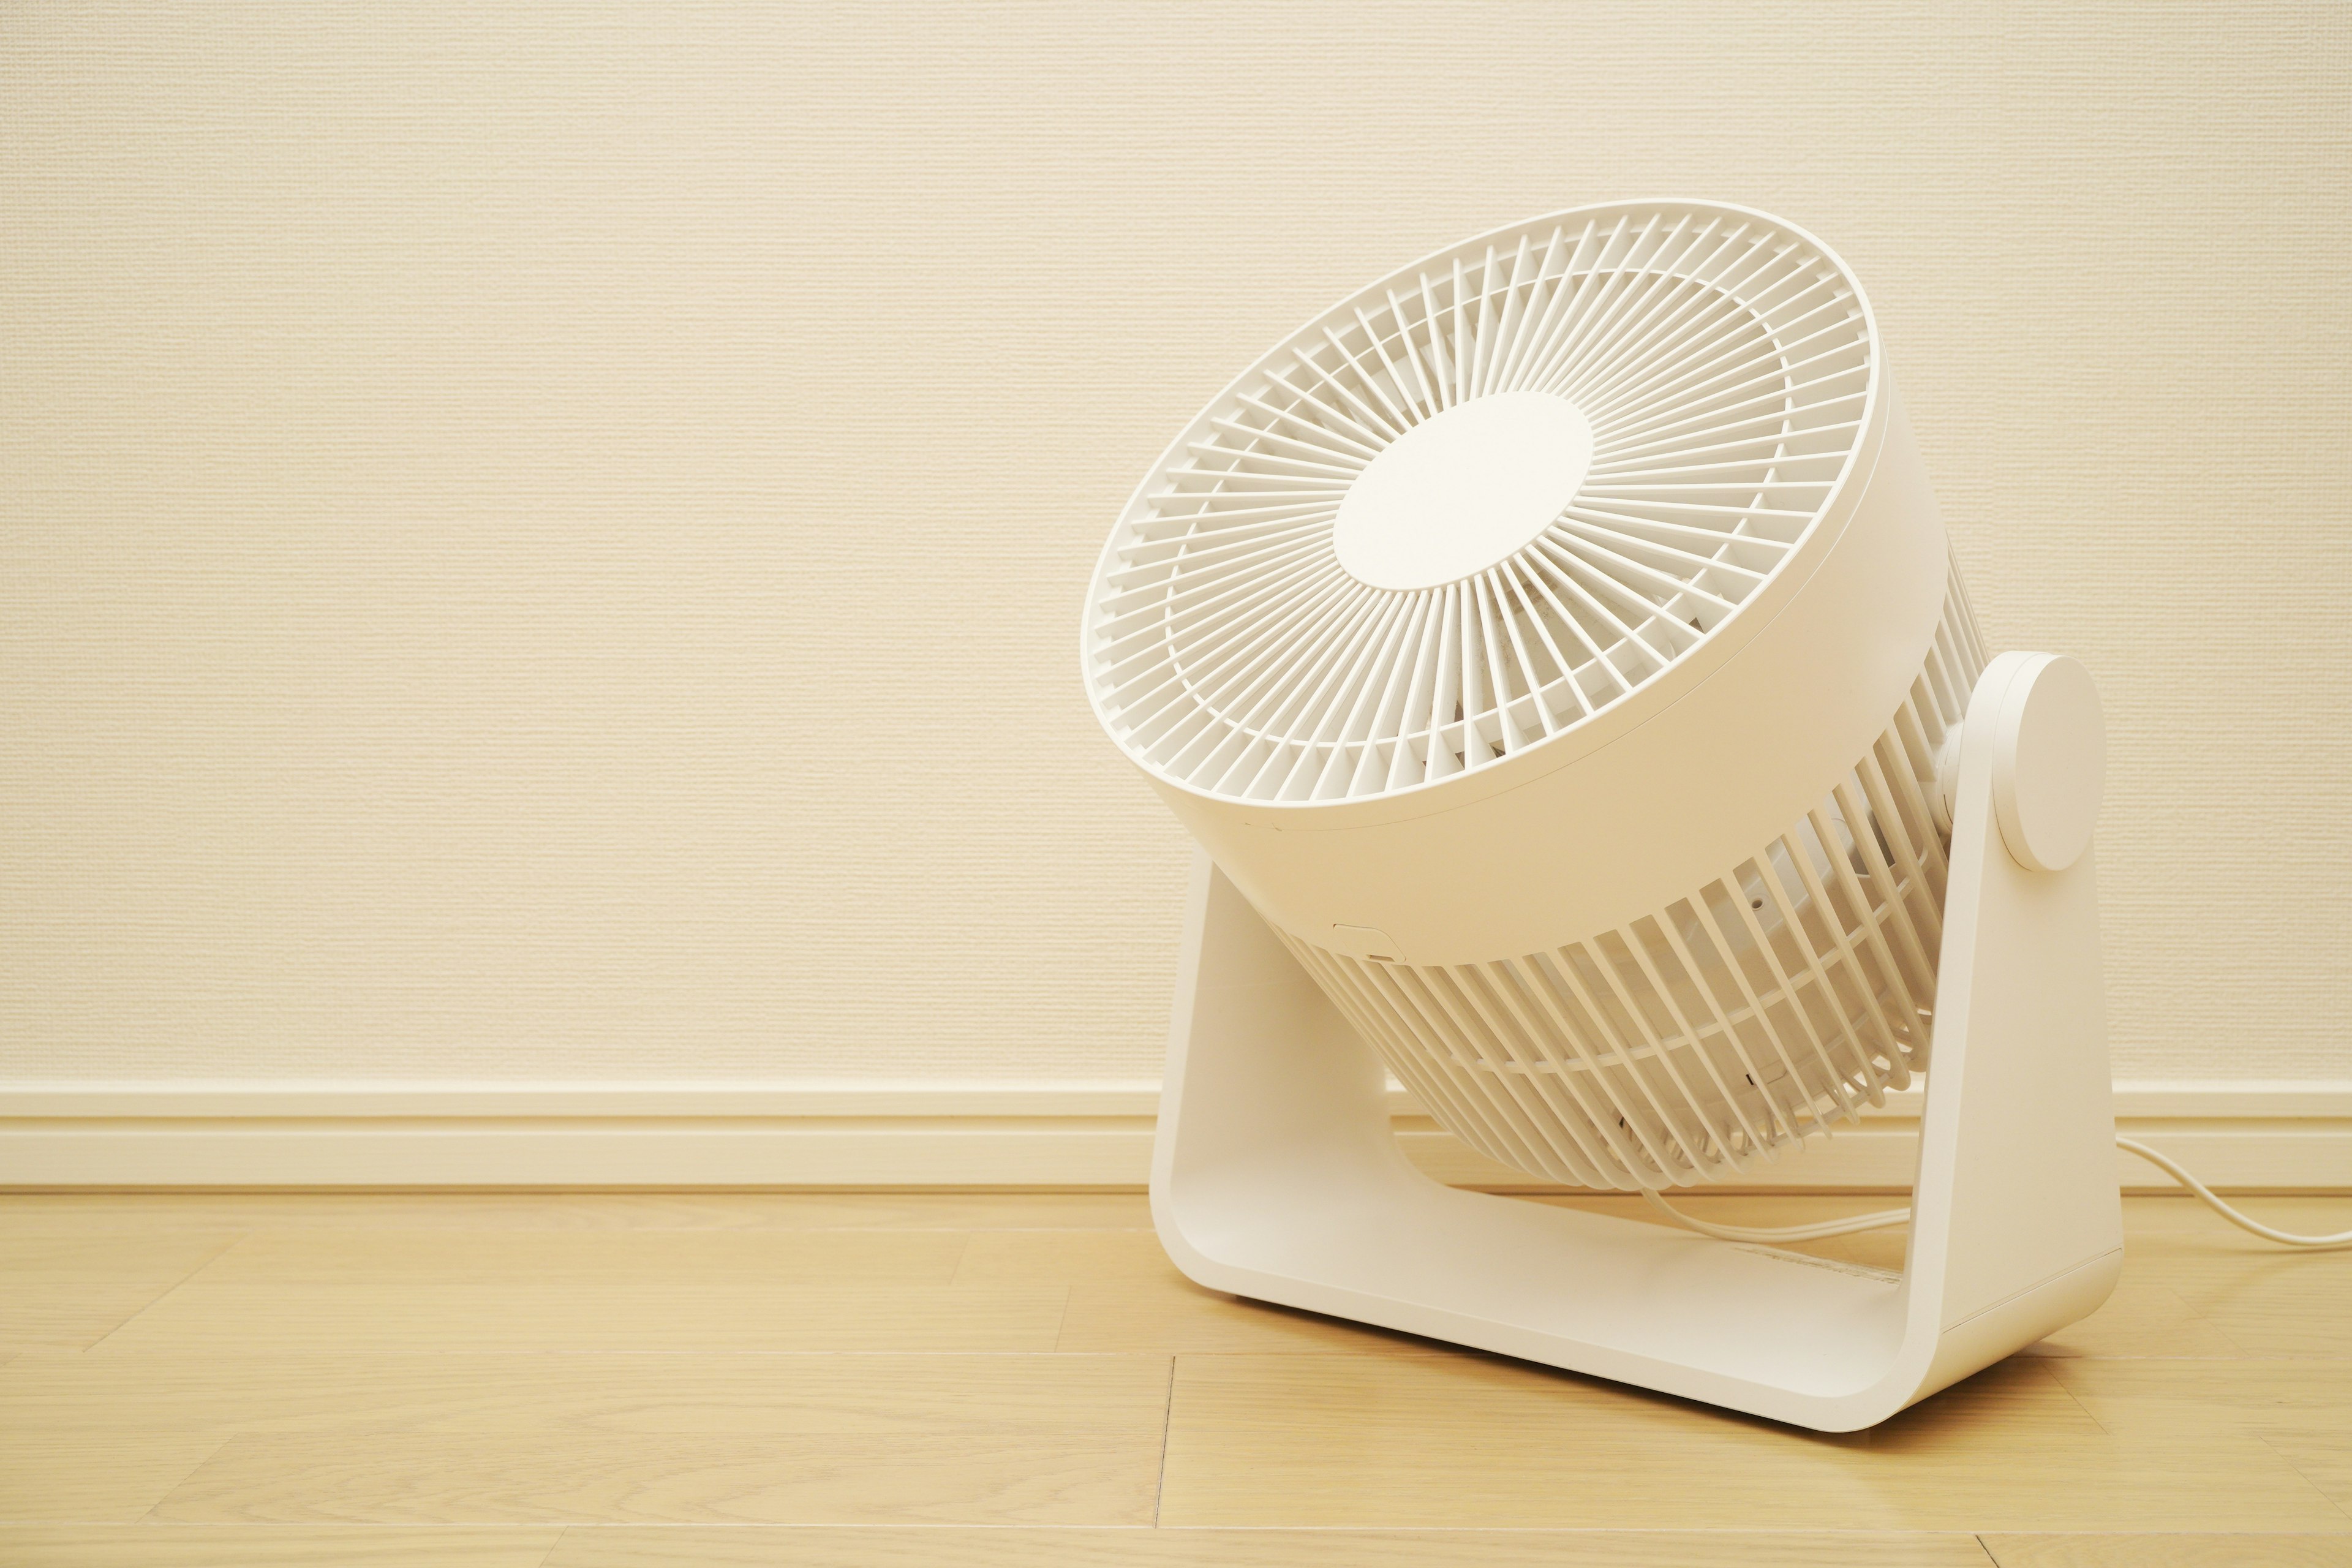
(598, 1381)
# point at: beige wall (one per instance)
(548, 542)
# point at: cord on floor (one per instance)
(2284, 1238)
(1884, 1218)
(1878, 1221)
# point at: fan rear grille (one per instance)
(1745, 1016)
(1724, 366)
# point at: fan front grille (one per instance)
(1722, 366)
(1745, 1016)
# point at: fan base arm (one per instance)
(1276, 1175)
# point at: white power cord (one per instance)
(1883, 1218)
(1827, 1227)
(2284, 1238)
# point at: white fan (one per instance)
(1556, 649)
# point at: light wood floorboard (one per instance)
(1176, 1548)
(642, 1313)
(1424, 1442)
(80, 1214)
(94, 1476)
(271, 1546)
(70, 1290)
(721, 1261)
(605, 1380)
(624, 1546)
(2170, 1550)
(639, 1478)
(252, 1393)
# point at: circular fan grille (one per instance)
(1385, 558)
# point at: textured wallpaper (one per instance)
(548, 542)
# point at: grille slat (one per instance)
(1721, 1028)
(1722, 363)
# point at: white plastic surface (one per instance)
(1459, 491)
(1710, 1035)
(1276, 1176)
(1646, 800)
(1243, 645)
(1552, 642)
(1734, 606)
(2050, 760)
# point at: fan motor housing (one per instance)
(1552, 643)
(1595, 827)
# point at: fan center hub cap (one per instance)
(1463, 489)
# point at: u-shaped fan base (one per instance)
(1276, 1175)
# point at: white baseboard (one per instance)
(2244, 1137)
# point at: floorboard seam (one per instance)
(1167, 1423)
(2074, 1399)
(182, 1479)
(2280, 1454)
(161, 1296)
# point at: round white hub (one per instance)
(2049, 761)
(1460, 491)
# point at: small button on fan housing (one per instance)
(1365, 941)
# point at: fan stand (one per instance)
(1276, 1174)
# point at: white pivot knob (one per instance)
(2049, 763)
